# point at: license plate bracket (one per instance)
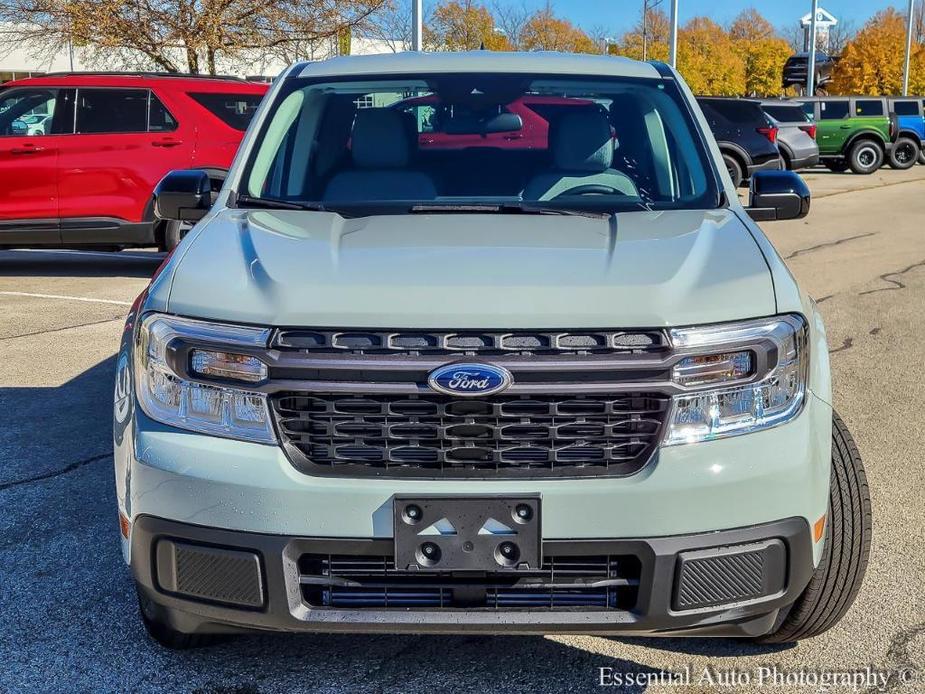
(467, 533)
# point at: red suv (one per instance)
(80, 153)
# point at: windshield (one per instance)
(470, 141)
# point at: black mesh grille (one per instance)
(372, 582)
(438, 435)
(413, 343)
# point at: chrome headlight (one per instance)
(227, 408)
(742, 377)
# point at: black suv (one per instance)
(796, 67)
(746, 137)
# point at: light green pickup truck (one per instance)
(567, 387)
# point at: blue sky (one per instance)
(619, 15)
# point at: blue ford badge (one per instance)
(469, 379)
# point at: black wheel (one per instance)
(836, 165)
(865, 157)
(163, 633)
(174, 232)
(837, 579)
(904, 154)
(735, 170)
(785, 162)
(922, 156)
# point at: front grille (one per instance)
(442, 436)
(567, 582)
(456, 343)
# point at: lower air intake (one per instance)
(210, 573)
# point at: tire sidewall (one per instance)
(734, 168)
(866, 157)
(911, 149)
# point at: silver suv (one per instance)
(796, 134)
(433, 364)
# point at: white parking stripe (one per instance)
(99, 254)
(69, 298)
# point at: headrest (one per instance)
(380, 139)
(582, 141)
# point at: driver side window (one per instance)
(27, 112)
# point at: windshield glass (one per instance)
(396, 144)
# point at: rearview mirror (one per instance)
(503, 123)
(776, 195)
(183, 196)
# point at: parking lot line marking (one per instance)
(86, 299)
(114, 255)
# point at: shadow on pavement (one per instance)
(75, 264)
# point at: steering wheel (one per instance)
(589, 189)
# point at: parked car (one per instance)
(542, 394)
(797, 66)
(854, 132)
(746, 138)
(910, 112)
(522, 124)
(80, 153)
(796, 134)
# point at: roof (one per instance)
(141, 79)
(542, 62)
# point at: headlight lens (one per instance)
(713, 411)
(219, 410)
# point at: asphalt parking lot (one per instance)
(67, 609)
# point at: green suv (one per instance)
(853, 132)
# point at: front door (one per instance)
(28, 157)
(124, 142)
(833, 127)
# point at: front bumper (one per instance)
(216, 597)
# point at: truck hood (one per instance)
(640, 269)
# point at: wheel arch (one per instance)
(875, 136)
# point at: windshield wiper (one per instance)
(505, 208)
(273, 204)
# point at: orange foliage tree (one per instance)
(872, 62)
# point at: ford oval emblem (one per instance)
(469, 380)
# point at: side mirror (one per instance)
(183, 196)
(775, 195)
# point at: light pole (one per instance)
(417, 25)
(646, 6)
(673, 35)
(811, 61)
(908, 47)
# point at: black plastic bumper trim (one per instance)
(284, 609)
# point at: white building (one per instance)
(17, 62)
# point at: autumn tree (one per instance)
(762, 52)
(179, 35)
(872, 62)
(464, 25)
(708, 60)
(656, 29)
(547, 32)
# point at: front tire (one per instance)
(837, 579)
(734, 169)
(904, 154)
(164, 634)
(865, 157)
(836, 165)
